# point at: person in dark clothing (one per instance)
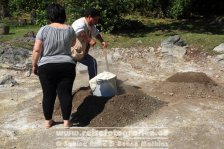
(52, 62)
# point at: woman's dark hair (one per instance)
(56, 13)
(92, 12)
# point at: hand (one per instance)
(92, 42)
(35, 70)
(104, 45)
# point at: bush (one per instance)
(179, 9)
(111, 11)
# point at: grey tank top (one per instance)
(57, 44)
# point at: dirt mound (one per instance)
(190, 85)
(130, 106)
(187, 77)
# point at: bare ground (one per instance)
(182, 99)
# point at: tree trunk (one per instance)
(4, 29)
(1, 10)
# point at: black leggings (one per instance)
(57, 79)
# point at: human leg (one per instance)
(64, 90)
(91, 63)
(48, 85)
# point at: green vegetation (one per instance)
(18, 31)
(199, 33)
(127, 23)
(113, 11)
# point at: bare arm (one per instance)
(82, 35)
(37, 49)
(100, 38)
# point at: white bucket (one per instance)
(104, 84)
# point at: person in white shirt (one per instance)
(85, 30)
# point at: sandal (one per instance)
(50, 124)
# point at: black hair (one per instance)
(92, 12)
(56, 13)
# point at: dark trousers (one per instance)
(91, 63)
(57, 79)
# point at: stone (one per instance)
(219, 48)
(175, 51)
(173, 40)
(8, 79)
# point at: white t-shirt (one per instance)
(81, 48)
(81, 25)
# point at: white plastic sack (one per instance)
(104, 84)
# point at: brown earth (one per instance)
(129, 106)
(182, 98)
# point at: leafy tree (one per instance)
(4, 8)
(150, 8)
(179, 9)
(111, 11)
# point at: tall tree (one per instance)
(3, 8)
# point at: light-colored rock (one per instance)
(8, 79)
(219, 48)
(116, 56)
(174, 50)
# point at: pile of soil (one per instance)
(187, 77)
(190, 85)
(128, 107)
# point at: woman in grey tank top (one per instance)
(52, 62)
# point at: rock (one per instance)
(139, 42)
(116, 55)
(13, 55)
(30, 34)
(219, 58)
(174, 46)
(173, 40)
(171, 94)
(25, 42)
(8, 79)
(1, 51)
(219, 48)
(175, 51)
(151, 49)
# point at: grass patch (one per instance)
(198, 33)
(18, 31)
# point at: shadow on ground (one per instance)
(131, 105)
(212, 25)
